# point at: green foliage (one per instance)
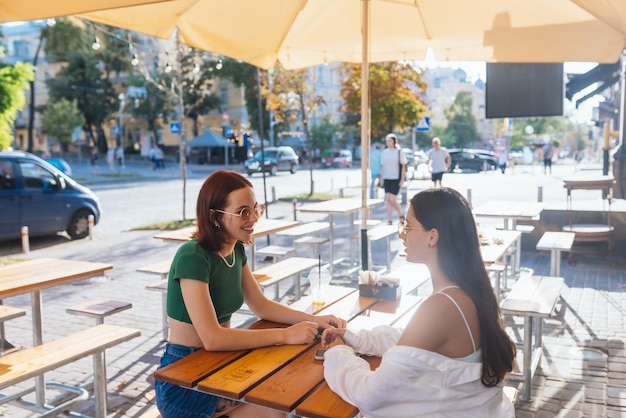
(461, 131)
(197, 75)
(82, 81)
(395, 90)
(241, 73)
(65, 39)
(156, 105)
(13, 81)
(60, 119)
(322, 135)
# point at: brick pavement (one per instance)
(592, 315)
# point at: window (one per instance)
(7, 178)
(34, 175)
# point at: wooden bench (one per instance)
(307, 229)
(555, 242)
(7, 313)
(26, 364)
(382, 232)
(275, 251)
(272, 274)
(534, 298)
(161, 286)
(162, 268)
(99, 309)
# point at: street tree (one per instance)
(60, 120)
(198, 75)
(322, 135)
(156, 106)
(81, 80)
(14, 80)
(292, 101)
(461, 130)
(241, 73)
(395, 95)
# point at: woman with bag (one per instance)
(392, 176)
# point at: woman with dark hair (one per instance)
(209, 280)
(454, 354)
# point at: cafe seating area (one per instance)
(542, 296)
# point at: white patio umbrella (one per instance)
(302, 33)
(11, 10)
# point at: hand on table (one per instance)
(330, 334)
(301, 333)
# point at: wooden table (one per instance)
(263, 227)
(534, 298)
(510, 211)
(343, 206)
(35, 275)
(495, 244)
(287, 377)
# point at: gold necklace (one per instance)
(226, 262)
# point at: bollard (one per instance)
(341, 193)
(294, 202)
(469, 196)
(273, 194)
(25, 242)
(404, 195)
(540, 194)
(90, 223)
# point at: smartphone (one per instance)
(319, 354)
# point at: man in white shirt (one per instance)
(440, 161)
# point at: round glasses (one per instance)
(246, 212)
(403, 226)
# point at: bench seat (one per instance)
(534, 298)
(161, 286)
(290, 267)
(385, 232)
(555, 242)
(32, 362)
(162, 268)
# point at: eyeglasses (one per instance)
(245, 213)
(403, 226)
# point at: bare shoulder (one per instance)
(430, 324)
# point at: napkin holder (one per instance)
(381, 291)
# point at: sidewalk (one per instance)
(592, 315)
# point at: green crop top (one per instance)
(193, 262)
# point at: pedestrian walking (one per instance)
(111, 158)
(375, 166)
(94, 159)
(548, 153)
(392, 176)
(503, 158)
(439, 160)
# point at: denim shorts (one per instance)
(174, 401)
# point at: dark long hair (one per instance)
(213, 194)
(459, 256)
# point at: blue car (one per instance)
(61, 165)
(35, 194)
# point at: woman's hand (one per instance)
(301, 333)
(329, 321)
(330, 334)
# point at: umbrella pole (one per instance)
(365, 132)
(258, 88)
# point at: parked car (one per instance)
(61, 165)
(35, 194)
(276, 159)
(410, 157)
(338, 159)
(472, 160)
(420, 157)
